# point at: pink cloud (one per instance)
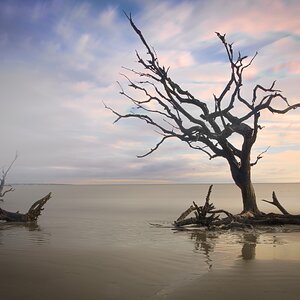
(252, 17)
(292, 67)
(278, 167)
(82, 86)
(176, 59)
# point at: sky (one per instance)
(60, 60)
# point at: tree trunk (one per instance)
(242, 178)
(249, 197)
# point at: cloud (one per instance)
(176, 59)
(60, 60)
(278, 167)
(291, 67)
(107, 17)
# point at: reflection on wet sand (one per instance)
(249, 246)
(206, 241)
(95, 242)
(268, 258)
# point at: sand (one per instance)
(97, 243)
(108, 275)
(263, 280)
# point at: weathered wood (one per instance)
(275, 219)
(186, 213)
(31, 216)
(189, 221)
(11, 216)
(206, 216)
(276, 203)
(36, 209)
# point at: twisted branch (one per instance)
(189, 118)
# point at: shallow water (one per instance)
(97, 242)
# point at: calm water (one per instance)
(96, 242)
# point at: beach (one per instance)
(99, 242)
(257, 280)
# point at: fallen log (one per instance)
(31, 216)
(274, 219)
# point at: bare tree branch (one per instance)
(156, 146)
(276, 203)
(3, 179)
(175, 112)
(259, 156)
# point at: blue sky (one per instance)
(61, 59)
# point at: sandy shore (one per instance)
(104, 248)
(138, 275)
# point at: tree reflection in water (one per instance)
(31, 226)
(27, 232)
(249, 245)
(206, 241)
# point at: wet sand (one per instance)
(261, 280)
(115, 274)
(135, 274)
(97, 243)
(79, 275)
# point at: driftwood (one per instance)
(276, 203)
(31, 216)
(208, 216)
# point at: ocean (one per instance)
(117, 242)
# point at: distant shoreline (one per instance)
(145, 183)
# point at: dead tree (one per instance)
(205, 126)
(3, 188)
(210, 217)
(33, 212)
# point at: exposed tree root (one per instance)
(208, 216)
(31, 216)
